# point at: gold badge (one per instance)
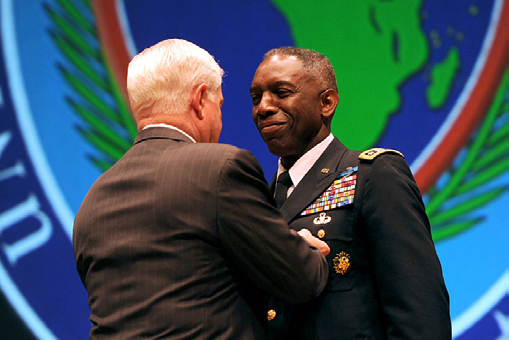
(325, 171)
(271, 314)
(321, 233)
(342, 263)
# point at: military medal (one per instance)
(339, 193)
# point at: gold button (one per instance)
(271, 314)
(321, 233)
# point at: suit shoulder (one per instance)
(223, 152)
(215, 149)
(371, 154)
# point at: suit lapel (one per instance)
(318, 178)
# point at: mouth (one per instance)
(269, 128)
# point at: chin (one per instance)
(276, 150)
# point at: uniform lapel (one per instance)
(318, 178)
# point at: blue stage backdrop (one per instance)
(427, 77)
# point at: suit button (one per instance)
(271, 314)
(321, 233)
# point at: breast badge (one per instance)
(322, 219)
(342, 263)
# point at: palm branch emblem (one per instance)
(106, 120)
(476, 177)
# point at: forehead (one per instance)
(280, 69)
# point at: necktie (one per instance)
(283, 183)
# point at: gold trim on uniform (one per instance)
(271, 314)
(342, 263)
(375, 152)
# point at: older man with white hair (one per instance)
(181, 237)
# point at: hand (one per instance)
(315, 242)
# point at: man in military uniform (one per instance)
(385, 278)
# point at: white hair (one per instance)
(161, 78)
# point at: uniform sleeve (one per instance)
(259, 241)
(408, 273)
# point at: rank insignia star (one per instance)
(342, 263)
(375, 152)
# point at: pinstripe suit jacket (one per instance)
(175, 238)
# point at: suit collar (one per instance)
(318, 178)
(161, 133)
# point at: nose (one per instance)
(266, 106)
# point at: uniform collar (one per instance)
(305, 162)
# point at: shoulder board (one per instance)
(375, 152)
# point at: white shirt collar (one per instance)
(305, 162)
(170, 127)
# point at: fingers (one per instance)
(315, 242)
(304, 233)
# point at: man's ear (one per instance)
(197, 97)
(329, 100)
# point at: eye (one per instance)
(282, 93)
(255, 98)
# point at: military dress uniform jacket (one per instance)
(385, 277)
(173, 239)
